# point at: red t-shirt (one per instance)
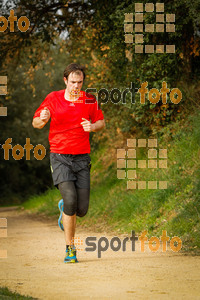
(66, 135)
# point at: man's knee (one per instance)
(69, 210)
(82, 212)
(70, 204)
(83, 202)
(69, 195)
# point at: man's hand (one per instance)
(45, 115)
(87, 125)
(40, 122)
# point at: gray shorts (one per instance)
(69, 167)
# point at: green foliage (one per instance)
(5, 294)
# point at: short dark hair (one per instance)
(74, 68)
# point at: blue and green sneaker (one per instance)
(60, 206)
(70, 255)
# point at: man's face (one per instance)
(74, 84)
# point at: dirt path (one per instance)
(34, 266)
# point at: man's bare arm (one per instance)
(98, 125)
(89, 127)
(40, 122)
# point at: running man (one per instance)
(74, 114)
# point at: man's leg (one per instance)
(83, 197)
(83, 188)
(69, 195)
(69, 223)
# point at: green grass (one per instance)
(45, 203)
(6, 294)
(176, 209)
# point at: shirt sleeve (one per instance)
(45, 103)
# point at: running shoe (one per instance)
(70, 256)
(60, 206)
